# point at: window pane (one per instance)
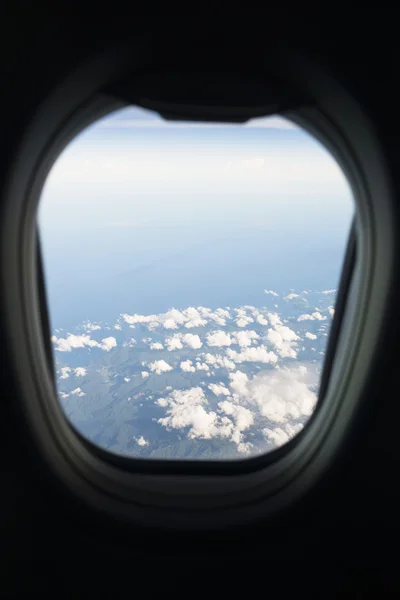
(191, 276)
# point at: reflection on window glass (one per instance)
(191, 276)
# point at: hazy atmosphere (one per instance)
(191, 277)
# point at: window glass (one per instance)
(191, 272)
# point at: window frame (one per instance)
(181, 498)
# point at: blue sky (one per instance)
(133, 196)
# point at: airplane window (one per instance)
(191, 274)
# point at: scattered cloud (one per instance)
(72, 342)
(218, 338)
(202, 366)
(219, 389)
(242, 318)
(277, 400)
(187, 366)
(159, 366)
(141, 441)
(194, 318)
(280, 395)
(274, 319)
(78, 392)
(162, 402)
(156, 346)
(243, 416)
(245, 338)
(252, 354)
(80, 371)
(245, 447)
(108, 343)
(65, 371)
(262, 320)
(217, 360)
(283, 339)
(189, 409)
(281, 435)
(310, 336)
(315, 316)
(179, 340)
(91, 326)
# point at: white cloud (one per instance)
(218, 360)
(188, 409)
(78, 392)
(242, 318)
(156, 346)
(144, 374)
(271, 292)
(243, 416)
(195, 318)
(159, 366)
(179, 340)
(63, 395)
(274, 319)
(291, 296)
(72, 342)
(245, 338)
(134, 319)
(331, 311)
(141, 441)
(245, 447)
(185, 409)
(283, 340)
(202, 366)
(282, 394)
(262, 320)
(218, 338)
(173, 319)
(252, 354)
(315, 316)
(80, 371)
(91, 326)
(219, 389)
(219, 316)
(239, 383)
(127, 379)
(329, 291)
(108, 343)
(174, 343)
(187, 366)
(162, 402)
(281, 435)
(192, 340)
(117, 326)
(65, 371)
(310, 336)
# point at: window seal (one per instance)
(203, 501)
